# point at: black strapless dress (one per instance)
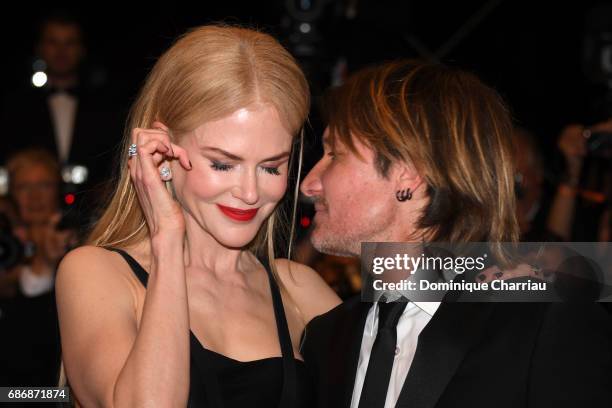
(217, 381)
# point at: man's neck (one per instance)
(63, 82)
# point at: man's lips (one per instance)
(238, 214)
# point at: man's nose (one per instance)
(247, 189)
(311, 186)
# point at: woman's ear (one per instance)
(159, 125)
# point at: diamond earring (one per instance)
(165, 174)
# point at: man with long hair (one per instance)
(419, 152)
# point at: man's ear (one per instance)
(406, 176)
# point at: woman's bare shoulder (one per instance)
(87, 259)
(95, 270)
(313, 296)
(97, 319)
(86, 253)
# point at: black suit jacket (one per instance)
(95, 141)
(97, 128)
(478, 355)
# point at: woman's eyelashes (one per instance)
(271, 170)
(218, 166)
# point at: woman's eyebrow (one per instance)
(238, 158)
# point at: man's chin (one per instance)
(328, 245)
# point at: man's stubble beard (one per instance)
(334, 246)
(345, 241)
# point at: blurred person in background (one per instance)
(74, 115)
(529, 177)
(572, 202)
(29, 352)
(10, 248)
(342, 274)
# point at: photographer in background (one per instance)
(29, 345)
(579, 145)
(75, 115)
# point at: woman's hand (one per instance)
(162, 212)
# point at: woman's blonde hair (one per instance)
(455, 130)
(209, 73)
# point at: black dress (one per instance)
(222, 382)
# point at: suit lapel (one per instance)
(46, 115)
(346, 346)
(83, 140)
(441, 348)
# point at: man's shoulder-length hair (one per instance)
(453, 128)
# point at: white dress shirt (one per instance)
(412, 321)
(32, 284)
(63, 108)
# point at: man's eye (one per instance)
(271, 170)
(220, 166)
(331, 154)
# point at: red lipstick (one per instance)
(238, 214)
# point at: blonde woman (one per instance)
(178, 300)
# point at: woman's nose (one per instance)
(247, 189)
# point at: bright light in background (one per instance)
(305, 28)
(69, 198)
(305, 222)
(74, 174)
(39, 79)
(3, 181)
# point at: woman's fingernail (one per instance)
(481, 277)
(498, 274)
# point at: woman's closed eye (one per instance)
(271, 170)
(218, 166)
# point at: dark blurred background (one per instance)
(532, 52)
(552, 62)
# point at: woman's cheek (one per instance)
(275, 189)
(206, 184)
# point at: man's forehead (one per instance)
(356, 145)
(332, 139)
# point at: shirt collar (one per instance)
(428, 307)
